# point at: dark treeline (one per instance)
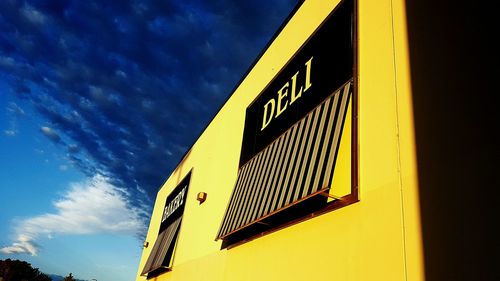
(16, 270)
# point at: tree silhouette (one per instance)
(69, 277)
(16, 270)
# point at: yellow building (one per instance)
(309, 170)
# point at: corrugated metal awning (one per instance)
(294, 167)
(163, 243)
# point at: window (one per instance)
(161, 257)
(292, 137)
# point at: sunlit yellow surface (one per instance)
(377, 238)
(341, 184)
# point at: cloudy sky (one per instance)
(99, 100)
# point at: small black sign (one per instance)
(322, 65)
(176, 201)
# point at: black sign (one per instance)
(322, 65)
(174, 206)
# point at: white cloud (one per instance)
(33, 15)
(24, 244)
(50, 133)
(10, 133)
(91, 207)
(7, 61)
(14, 114)
(15, 109)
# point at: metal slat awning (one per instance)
(163, 243)
(295, 166)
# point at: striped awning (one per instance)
(294, 167)
(166, 239)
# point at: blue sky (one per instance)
(99, 100)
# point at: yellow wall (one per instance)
(377, 238)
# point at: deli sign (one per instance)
(323, 64)
(290, 88)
